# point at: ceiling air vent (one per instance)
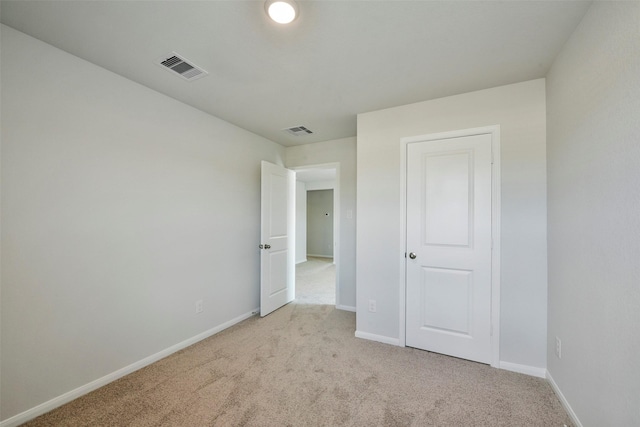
(298, 131)
(181, 66)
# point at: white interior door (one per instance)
(448, 305)
(277, 237)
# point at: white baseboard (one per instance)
(346, 308)
(564, 401)
(301, 261)
(45, 407)
(378, 338)
(524, 369)
(320, 256)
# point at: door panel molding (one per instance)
(494, 132)
(277, 237)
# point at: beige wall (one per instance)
(301, 222)
(593, 93)
(120, 208)
(319, 224)
(519, 109)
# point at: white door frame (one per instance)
(336, 218)
(494, 131)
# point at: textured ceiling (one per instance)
(338, 59)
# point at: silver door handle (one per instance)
(261, 246)
(412, 255)
(267, 246)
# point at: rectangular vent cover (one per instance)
(298, 131)
(181, 66)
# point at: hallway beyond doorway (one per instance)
(316, 281)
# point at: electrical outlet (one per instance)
(372, 305)
(199, 308)
(558, 348)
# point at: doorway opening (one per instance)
(317, 231)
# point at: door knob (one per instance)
(267, 246)
(412, 255)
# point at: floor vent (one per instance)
(181, 66)
(298, 131)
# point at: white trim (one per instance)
(494, 131)
(402, 340)
(336, 219)
(301, 261)
(346, 308)
(45, 407)
(320, 185)
(563, 400)
(378, 338)
(524, 369)
(496, 268)
(320, 256)
(337, 216)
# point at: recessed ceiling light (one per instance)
(281, 11)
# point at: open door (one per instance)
(277, 237)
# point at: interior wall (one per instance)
(320, 223)
(120, 209)
(321, 185)
(593, 93)
(301, 222)
(519, 109)
(342, 151)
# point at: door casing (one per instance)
(494, 131)
(336, 221)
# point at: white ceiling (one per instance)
(338, 59)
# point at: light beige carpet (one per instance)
(302, 366)
(316, 281)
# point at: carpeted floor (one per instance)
(316, 281)
(302, 366)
